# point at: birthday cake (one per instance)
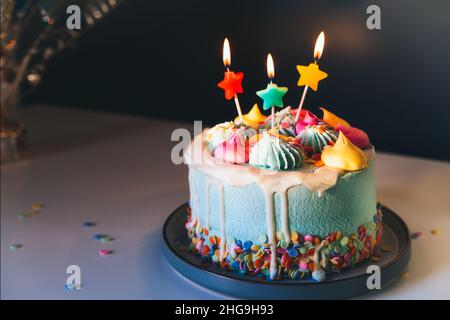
(290, 195)
(295, 202)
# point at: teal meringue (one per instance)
(273, 153)
(314, 138)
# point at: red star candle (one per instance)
(232, 82)
(311, 75)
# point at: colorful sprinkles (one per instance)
(295, 258)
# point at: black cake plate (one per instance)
(346, 284)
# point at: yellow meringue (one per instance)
(333, 120)
(253, 118)
(344, 155)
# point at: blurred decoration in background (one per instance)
(32, 33)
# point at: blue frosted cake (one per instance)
(283, 199)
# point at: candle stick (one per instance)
(311, 75)
(271, 75)
(273, 94)
(232, 82)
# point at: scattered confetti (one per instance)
(106, 239)
(386, 249)
(71, 286)
(105, 252)
(88, 224)
(417, 235)
(14, 247)
(98, 236)
(404, 274)
(37, 206)
(435, 232)
(24, 215)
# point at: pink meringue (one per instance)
(356, 136)
(306, 118)
(232, 151)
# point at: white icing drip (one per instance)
(196, 200)
(208, 210)
(285, 216)
(223, 239)
(270, 221)
(192, 191)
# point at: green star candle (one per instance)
(273, 94)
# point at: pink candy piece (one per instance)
(303, 265)
(307, 118)
(232, 151)
(358, 137)
(104, 252)
(309, 238)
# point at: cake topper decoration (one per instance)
(333, 120)
(358, 137)
(344, 155)
(233, 150)
(232, 82)
(316, 137)
(311, 75)
(275, 154)
(218, 134)
(254, 117)
(273, 94)
(308, 119)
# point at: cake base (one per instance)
(346, 284)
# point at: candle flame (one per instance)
(270, 67)
(226, 53)
(320, 43)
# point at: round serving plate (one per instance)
(346, 284)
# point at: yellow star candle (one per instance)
(311, 75)
(232, 82)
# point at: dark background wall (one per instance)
(163, 59)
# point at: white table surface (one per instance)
(116, 170)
